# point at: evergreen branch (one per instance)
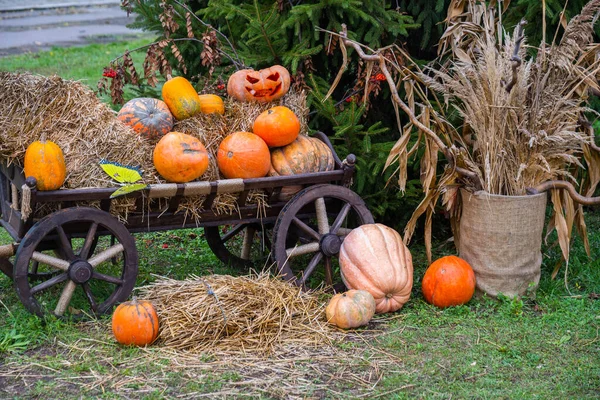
(264, 32)
(237, 63)
(174, 40)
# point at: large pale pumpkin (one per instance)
(151, 118)
(135, 323)
(351, 309)
(303, 155)
(449, 281)
(373, 257)
(179, 157)
(181, 97)
(261, 86)
(45, 161)
(278, 126)
(243, 155)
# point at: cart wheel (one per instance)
(235, 245)
(105, 273)
(335, 211)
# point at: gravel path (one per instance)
(46, 25)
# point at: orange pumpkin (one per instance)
(179, 157)
(135, 322)
(211, 103)
(303, 155)
(351, 309)
(243, 155)
(373, 257)
(278, 126)
(181, 97)
(148, 117)
(44, 160)
(262, 86)
(449, 281)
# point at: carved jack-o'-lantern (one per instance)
(262, 86)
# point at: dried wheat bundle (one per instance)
(521, 122)
(524, 118)
(236, 314)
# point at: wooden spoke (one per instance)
(52, 261)
(107, 278)
(49, 283)
(343, 231)
(328, 272)
(303, 249)
(89, 241)
(34, 267)
(65, 298)
(90, 297)
(311, 267)
(322, 220)
(109, 253)
(65, 243)
(341, 217)
(247, 243)
(233, 232)
(305, 228)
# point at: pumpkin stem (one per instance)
(169, 77)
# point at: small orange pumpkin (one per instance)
(262, 86)
(135, 322)
(211, 103)
(181, 97)
(148, 117)
(374, 258)
(449, 281)
(243, 155)
(45, 161)
(179, 157)
(351, 309)
(278, 126)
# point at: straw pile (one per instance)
(221, 313)
(70, 114)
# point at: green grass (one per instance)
(83, 63)
(545, 347)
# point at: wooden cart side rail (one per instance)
(193, 188)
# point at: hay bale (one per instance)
(69, 114)
(245, 314)
(87, 130)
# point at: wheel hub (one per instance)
(80, 271)
(330, 244)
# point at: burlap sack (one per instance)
(501, 237)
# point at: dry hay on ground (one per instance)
(291, 372)
(244, 314)
(71, 115)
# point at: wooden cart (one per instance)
(81, 258)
